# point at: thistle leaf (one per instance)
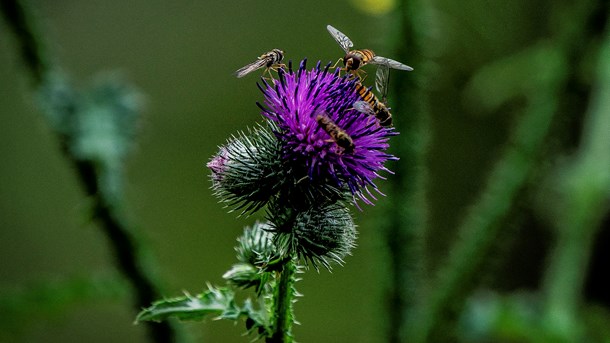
(217, 302)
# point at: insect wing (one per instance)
(363, 107)
(245, 70)
(382, 80)
(379, 60)
(342, 39)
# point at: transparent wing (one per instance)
(342, 39)
(245, 70)
(363, 107)
(382, 80)
(378, 60)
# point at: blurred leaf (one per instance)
(514, 76)
(99, 124)
(517, 317)
(22, 306)
(490, 317)
(59, 101)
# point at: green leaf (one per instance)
(520, 74)
(218, 302)
(23, 306)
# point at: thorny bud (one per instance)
(323, 234)
(248, 170)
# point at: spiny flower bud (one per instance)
(248, 171)
(255, 246)
(323, 234)
(255, 250)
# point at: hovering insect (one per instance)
(268, 60)
(340, 137)
(354, 59)
(370, 104)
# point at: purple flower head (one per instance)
(322, 132)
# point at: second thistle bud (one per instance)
(322, 234)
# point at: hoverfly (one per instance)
(355, 59)
(268, 60)
(370, 104)
(338, 135)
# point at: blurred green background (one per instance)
(181, 56)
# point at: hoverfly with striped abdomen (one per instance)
(370, 104)
(338, 135)
(355, 59)
(268, 60)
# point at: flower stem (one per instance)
(283, 298)
(24, 28)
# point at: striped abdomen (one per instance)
(266, 60)
(375, 107)
(340, 137)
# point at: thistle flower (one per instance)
(297, 102)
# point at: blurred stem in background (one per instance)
(546, 68)
(457, 278)
(95, 131)
(585, 193)
(406, 212)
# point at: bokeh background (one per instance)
(181, 56)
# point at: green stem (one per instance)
(405, 212)
(586, 188)
(283, 298)
(24, 28)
